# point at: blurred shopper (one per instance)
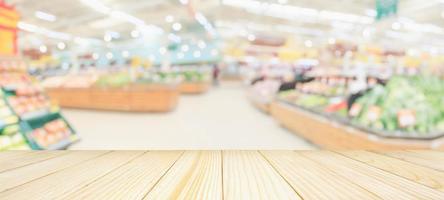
(216, 73)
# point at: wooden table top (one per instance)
(221, 175)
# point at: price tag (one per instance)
(373, 114)
(406, 118)
(355, 110)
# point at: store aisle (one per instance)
(221, 119)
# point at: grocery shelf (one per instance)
(335, 135)
(134, 98)
(222, 175)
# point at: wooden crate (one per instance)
(333, 135)
(194, 88)
(135, 98)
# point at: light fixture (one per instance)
(396, 26)
(185, 48)
(135, 33)
(201, 44)
(109, 55)
(169, 18)
(125, 54)
(43, 49)
(162, 50)
(45, 16)
(95, 56)
(61, 45)
(251, 37)
(197, 54)
(308, 43)
(177, 26)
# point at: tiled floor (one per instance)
(221, 119)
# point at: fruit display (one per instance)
(22, 101)
(412, 105)
(51, 133)
(326, 86)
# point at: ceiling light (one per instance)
(396, 26)
(45, 16)
(125, 54)
(61, 45)
(109, 55)
(184, 2)
(169, 18)
(135, 33)
(251, 37)
(201, 44)
(95, 56)
(185, 48)
(162, 50)
(177, 26)
(308, 43)
(197, 54)
(43, 49)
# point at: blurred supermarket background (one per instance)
(221, 74)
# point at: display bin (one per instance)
(29, 125)
(131, 98)
(330, 134)
(194, 87)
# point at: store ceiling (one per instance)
(235, 18)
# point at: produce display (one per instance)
(412, 105)
(406, 106)
(51, 133)
(22, 101)
(326, 86)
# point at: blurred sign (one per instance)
(385, 8)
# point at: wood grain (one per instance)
(135, 178)
(221, 175)
(247, 175)
(308, 178)
(381, 183)
(196, 175)
(419, 174)
(18, 160)
(56, 185)
(433, 159)
(31, 172)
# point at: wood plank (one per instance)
(247, 175)
(9, 163)
(435, 161)
(413, 172)
(56, 185)
(134, 179)
(31, 172)
(196, 175)
(8, 155)
(381, 183)
(308, 178)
